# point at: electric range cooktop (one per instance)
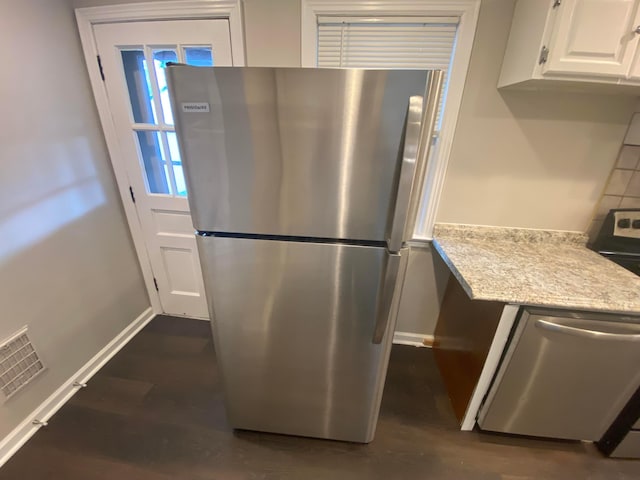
(619, 238)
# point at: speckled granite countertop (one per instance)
(535, 267)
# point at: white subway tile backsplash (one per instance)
(629, 157)
(606, 203)
(630, 202)
(633, 134)
(623, 186)
(594, 228)
(618, 182)
(633, 188)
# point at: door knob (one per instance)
(637, 30)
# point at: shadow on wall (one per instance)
(548, 120)
(425, 283)
(64, 189)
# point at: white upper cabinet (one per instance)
(591, 41)
(593, 37)
(634, 73)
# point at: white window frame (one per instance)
(467, 11)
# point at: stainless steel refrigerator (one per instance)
(304, 187)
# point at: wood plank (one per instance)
(463, 337)
(179, 430)
(112, 394)
(181, 327)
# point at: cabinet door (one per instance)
(594, 37)
(634, 73)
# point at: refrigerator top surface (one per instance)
(292, 151)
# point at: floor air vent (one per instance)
(19, 363)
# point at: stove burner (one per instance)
(619, 238)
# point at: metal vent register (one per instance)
(19, 363)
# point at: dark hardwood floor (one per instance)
(155, 412)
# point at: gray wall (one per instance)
(67, 265)
(272, 33)
(424, 286)
(529, 159)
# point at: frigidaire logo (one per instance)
(191, 107)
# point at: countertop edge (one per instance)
(528, 303)
(452, 268)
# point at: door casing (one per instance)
(163, 10)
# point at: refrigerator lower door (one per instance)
(294, 326)
(564, 376)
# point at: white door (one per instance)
(594, 37)
(133, 57)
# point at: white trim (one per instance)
(14, 335)
(168, 10)
(413, 339)
(498, 344)
(467, 11)
(23, 432)
(162, 10)
(333, 19)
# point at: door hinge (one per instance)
(544, 55)
(100, 67)
(155, 283)
(556, 4)
(133, 197)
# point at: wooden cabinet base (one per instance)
(463, 337)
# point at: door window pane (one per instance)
(198, 56)
(160, 59)
(139, 86)
(176, 163)
(154, 164)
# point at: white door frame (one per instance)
(162, 10)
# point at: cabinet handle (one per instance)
(637, 30)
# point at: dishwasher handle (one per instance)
(584, 333)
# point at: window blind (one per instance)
(392, 42)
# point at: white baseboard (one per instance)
(23, 432)
(414, 339)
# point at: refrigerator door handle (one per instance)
(410, 147)
(418, 133)
(385, 297)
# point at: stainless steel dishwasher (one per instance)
(564, 375)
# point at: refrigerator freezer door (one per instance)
(293, 324)
(292, 151)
